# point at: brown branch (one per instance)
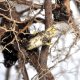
(30, 22)
(24, 73)
(74, 27)
(30, 3)
(22, 64)
(12, 20)
(67, 4)
(44, 53)
(48, 13)
(2, 0)
(2, 31)
(7, 74)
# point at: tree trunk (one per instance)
(44, 74)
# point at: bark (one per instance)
(44, 53)
(67, 4)
(39, 61)
(7, 74)
(24, 73)
(48, 13)
(22, 64)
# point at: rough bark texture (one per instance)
(39, 61)
(25, 74)
(44, 52)
(22, 64)
(48, 13)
